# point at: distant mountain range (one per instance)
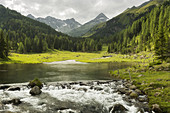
(70, 26)
(87, 26)
(63, 26)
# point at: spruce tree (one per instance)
(160, 40)
(3, 46)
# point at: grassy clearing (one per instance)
(78, 56)
(156, 84)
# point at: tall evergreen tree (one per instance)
(3, 46)
(21, 48)
(160, 40)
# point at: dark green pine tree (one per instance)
(27, 44)
(3, 46)
(160, 44)
(21, 48)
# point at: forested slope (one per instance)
(150, 32)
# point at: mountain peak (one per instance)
(102, 16)
(31, 16)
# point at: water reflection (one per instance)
(15, 73)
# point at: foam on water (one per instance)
(65, 62)
(81, 94)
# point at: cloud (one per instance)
(81, 10)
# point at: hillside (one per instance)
(121, 21)
(87, 26)
(151, 32)
(14, 21)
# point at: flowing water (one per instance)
(91, 89)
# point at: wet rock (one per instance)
(128, 100)
(16, 101)
(140, 110)
(62, 86)
(106, 82)
(133, 95)
(128, 85)
(4, 87)
(6, 102)
(14, 89)
(82, 89)
(68, 87)
(122, 90)
(73, 83)
(96, 83)
(156, 108)
(118, 108)
(133, 87)
(98, 88)
(91, 87)
(13, 101)
(83, 84)
(35, 91)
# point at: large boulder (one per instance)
(35, 82)
(35, 91)
(118, 108)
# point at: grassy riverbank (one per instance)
(78, 56)
(154, 81)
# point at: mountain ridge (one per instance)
(63, 26)
(87, 26)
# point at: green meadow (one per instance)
(57, 55)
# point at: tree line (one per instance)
(20, 43)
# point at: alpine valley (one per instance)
(117, 65)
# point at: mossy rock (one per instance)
(35, 82)
(133, 95)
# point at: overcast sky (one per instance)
(81, 10)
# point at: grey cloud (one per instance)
(81, 10)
